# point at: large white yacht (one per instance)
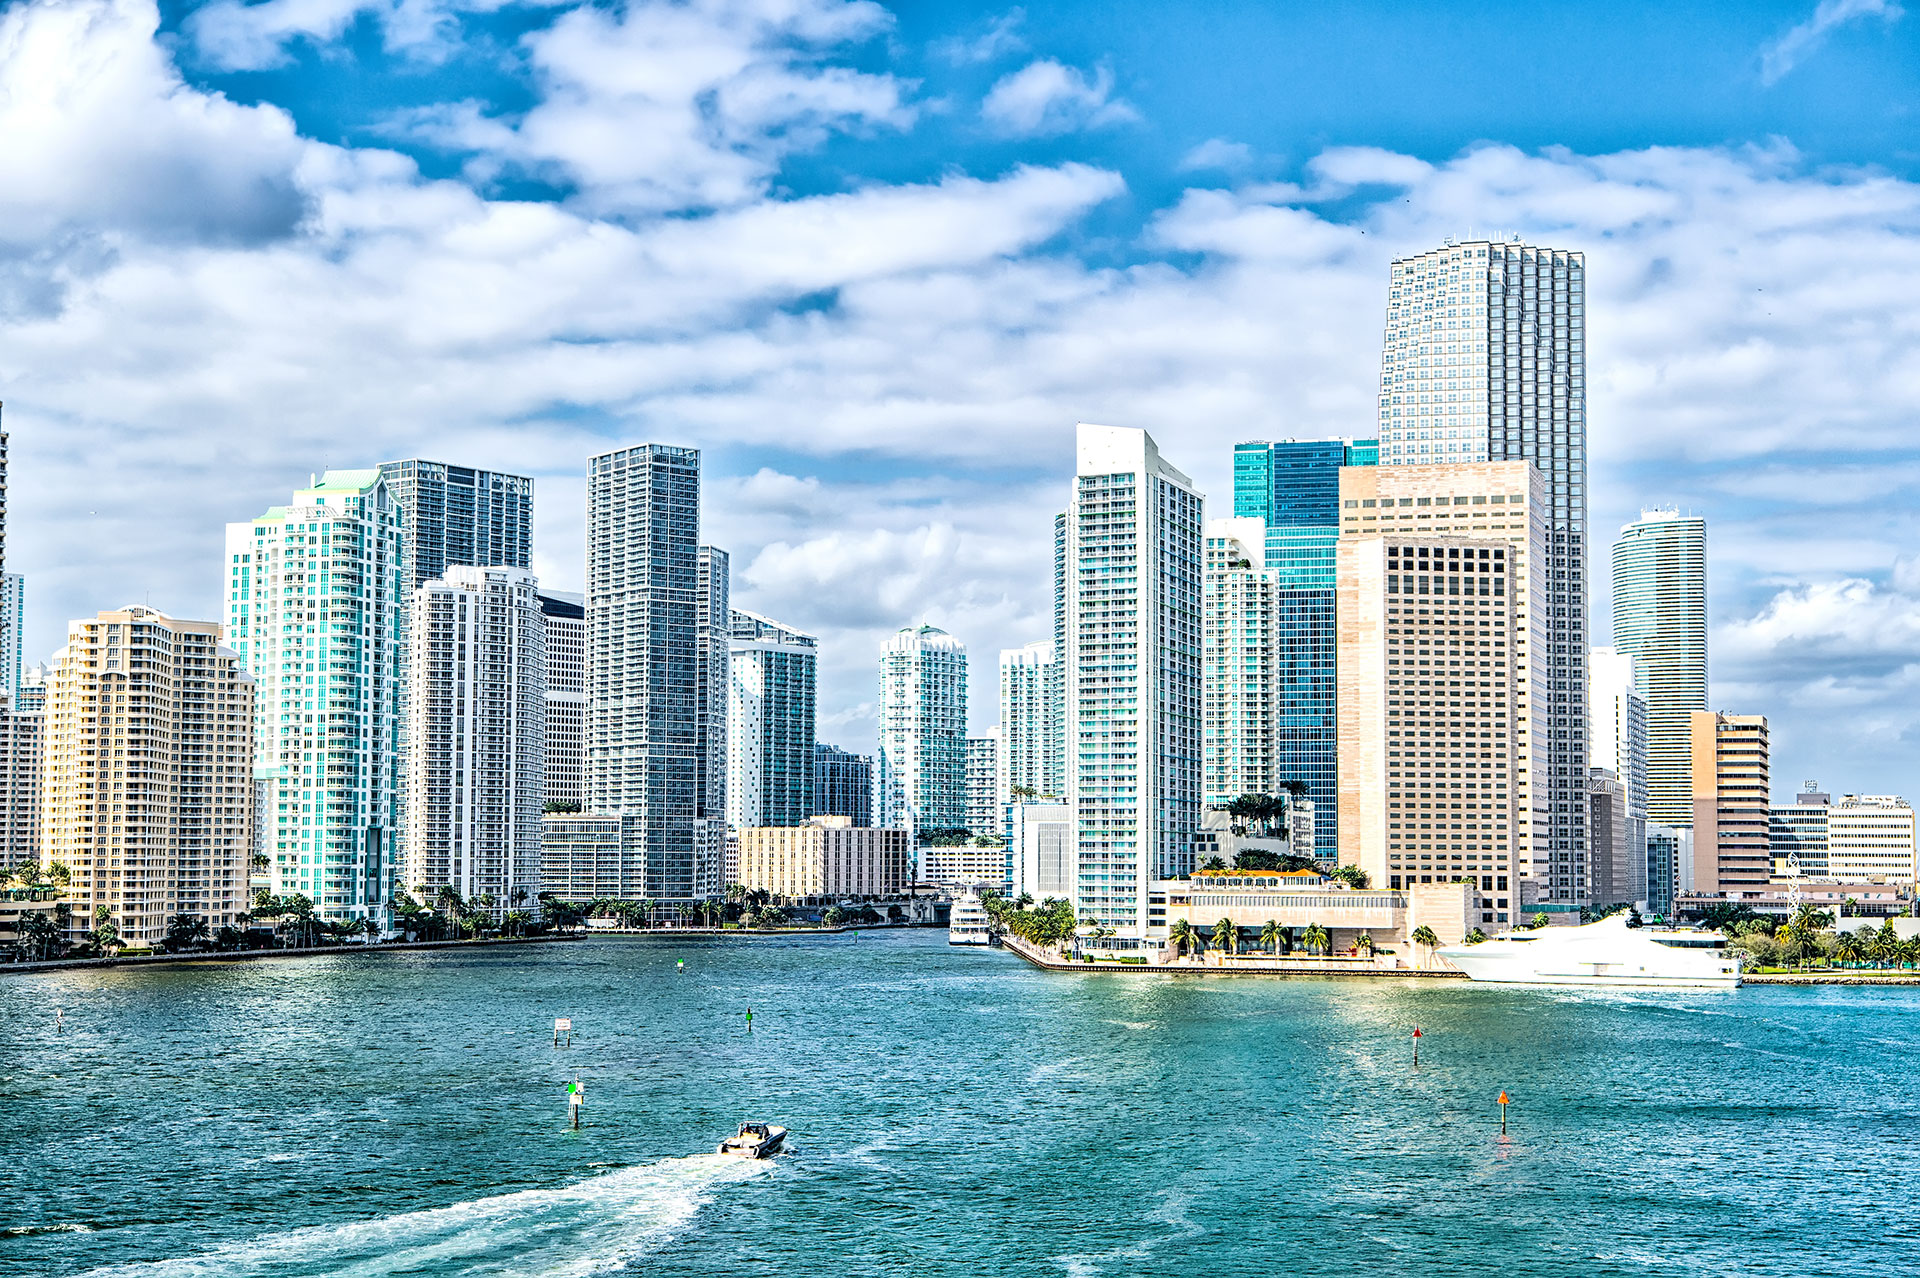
(1604, 953)
(967, 925)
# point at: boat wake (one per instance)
(598, 1225)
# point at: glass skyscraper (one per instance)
(1293, 487)
(920, 775)
(459, 515)
(770, 723)
(1485, 360)
(1660, 620)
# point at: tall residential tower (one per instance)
(771, 677)
(1660, 620)
(920, 775)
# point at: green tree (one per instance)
(1476, 937)
(1365, 944)
(39, 936)
(1270, 937)
(184, 931)
(1226, 937)
(1353, 876)
(1180, 936)
(561, 805)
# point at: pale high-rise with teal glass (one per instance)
(920, 773)
(316, 609)
(1660, 621)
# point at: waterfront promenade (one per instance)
(1233, 965)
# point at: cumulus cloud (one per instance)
(1001, 37)
(1217, 153)
(101, 134)
(1048, 97)
(665, 105)
(1802, 41)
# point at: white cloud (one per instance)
(1047, 97)
(1001, 37)
(1218, 153)
(1793, 48)
(663, 105)
(100, 134)
(236, 36)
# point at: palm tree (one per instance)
(1365, 944)
(185, 930)
(1426, 938)
(1181, 936)
(1849, 950)
(39, 936)
(1225, 936)
(1270, 937)
(1476, 936)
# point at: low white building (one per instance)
(1872, 836)
(1041, 838)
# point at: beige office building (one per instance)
(1871, 836)
(149, 765)
(1503, 503)
(1427, 712)
(1732, 811)
(825, 856)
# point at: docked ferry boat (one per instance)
(1604, 953)
(967, 925)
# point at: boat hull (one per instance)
(765, 1148)
(1599, 955)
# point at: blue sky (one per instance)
(877, 260)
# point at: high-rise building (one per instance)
(476, 747)
(920, 775)
(22, 767)
(1619, 864)
(714, 582)
(32, 692)
(3, 491)
(770, 723)
(316, 608)
(1503, 502)
(644, 667)
(985, 803)
(1238, 664)
(459, 515)
(1669, 867)
(148, 794)
(1033, 751)
(566, 748)
(1485, 360)
(1798, 834)
(1617, 711)
(1871, 836)
(588, 856)
(13, 650)
(825, 856)
(1660, 620)
(1293, 488)
(1430, 754)
(1132, 567)
(842, 784)
(1732, 838)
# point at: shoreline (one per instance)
(1830, 978)
(1052, 963)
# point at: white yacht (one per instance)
(967, 925)
(1604, 953)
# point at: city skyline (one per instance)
(1112, 250)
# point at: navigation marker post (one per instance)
(574, 1098)
(1503, 1113)
(1416, 1047)
(562, 1025)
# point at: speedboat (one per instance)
(1604, 953)
(756, 1140)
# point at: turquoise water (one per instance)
(953, 1113)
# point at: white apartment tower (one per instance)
(1129, 573)
(13, 608)
(985, 803)
(1485, 360)
(1618, 713)
(1660, 620)
(1240, 655)
(22, 764)
(771, 677)
(476, 746)
(316, 608)
(920, 774)
(1031, 750)
(566, 748)
(149, 772)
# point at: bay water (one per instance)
(952, 1113)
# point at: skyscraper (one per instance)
(13, 656)
(1131, 564)
(1032, 749)
(22, 765)
(644, 613)
(1618, 713)
(1293, 488)
(920, 774)
(1872, 836)
(1485, 360)
(316, 609)
(842, 784)
(476, 749)
(566, 751)
(985, 806)
(1239, 664)
(770, 723)
(1660, 620)
(1500, 502)
(714, 582)
(1430, 758)
(459, 515)
(148, 792)
(1732, 834)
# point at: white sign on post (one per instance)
(561, 1024)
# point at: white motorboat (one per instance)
(1604, 953)
(968, 923)
(755, 1140)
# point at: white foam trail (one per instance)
(594, 1226)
